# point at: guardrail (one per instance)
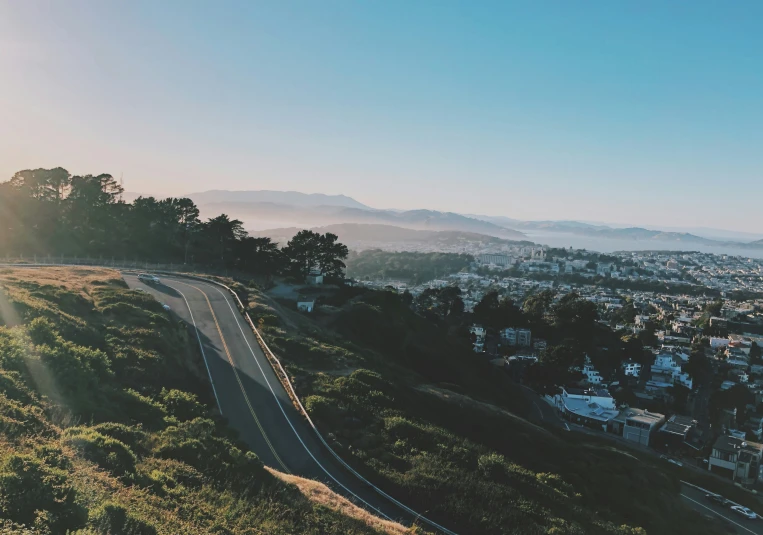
(284, 377)
(281, 372)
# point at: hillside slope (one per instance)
(105, 425)
(405, 401)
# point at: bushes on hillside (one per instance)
(196, 443)
(28, 485)
(107, 452)
(182, 405)
(111, 518)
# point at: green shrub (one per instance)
(42, 331)
(132, 436)
(182, 405)
(197, 444)
(28, 485)
(17, 419)
(112, 519)
(141, 409)
(321, 408)
(107, 452)
(491, 466)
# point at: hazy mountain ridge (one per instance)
(268, 209)
(360, 235)
(292, 198)
(607, 232)
(253, 214)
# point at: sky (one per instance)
(642, 112)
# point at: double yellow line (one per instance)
(238, 379)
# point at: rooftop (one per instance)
(598, 392)
(733, 444)
(589, 409)
(640, 415)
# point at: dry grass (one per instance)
(320, 494)
(71, 278)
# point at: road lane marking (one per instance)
(718, 514)
(278, 401)
(238, 379)
(201, 346)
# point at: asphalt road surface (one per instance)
(250, 395)
(728, 521)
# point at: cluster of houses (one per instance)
(509, 336)
(731, 455)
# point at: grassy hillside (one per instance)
(105, 424)
(410, 406)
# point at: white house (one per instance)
(479, 338)
(603, 268)
(306, 305)
(593, 377)
(314, 278)
(665, 365)
(592, 408)
(737, 458)
(632, 369)
(517, 337)
(638, 425)
(593, 395)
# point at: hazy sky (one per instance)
(632, 111)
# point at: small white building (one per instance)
(632, 369)
(479, 338)
(306, 305)
(314, 278)
(638, 424)
(593, 377)
(517, 337)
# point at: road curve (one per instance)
(250, 395)
(731, 521)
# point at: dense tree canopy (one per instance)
(49, 212)
(498, 313)
(308, 251)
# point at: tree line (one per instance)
(50, 212)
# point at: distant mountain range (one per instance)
(291, 198)
(284, 209)
(607, 232)
(263, 214)
(365, 236)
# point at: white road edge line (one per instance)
(315, 429)
(201, 346)
(717, 513)
(215, 283)
(238, 323)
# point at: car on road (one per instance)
(166, 307)
(749, 513)
(148, 278)
(672, 461)
(717, 498)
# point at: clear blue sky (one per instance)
(634, 112)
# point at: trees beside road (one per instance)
(50, 212)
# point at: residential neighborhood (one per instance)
(683, 373)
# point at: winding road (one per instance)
(251, 397)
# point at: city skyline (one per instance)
(644, 115)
